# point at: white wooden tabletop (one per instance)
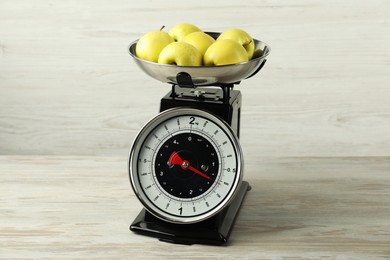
(81, 207)
(315, 127)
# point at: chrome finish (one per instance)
(204, 75)
(137, 146)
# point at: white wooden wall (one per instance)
(69, 87)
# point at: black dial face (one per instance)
(186, 165)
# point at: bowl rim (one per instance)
(205, 75)
(265, 54)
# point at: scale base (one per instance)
(213, 231)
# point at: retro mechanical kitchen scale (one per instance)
(186, 164)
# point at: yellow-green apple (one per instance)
(180, 54)
(151, 44)
(223, 52)
(242, 37)
(179, 31)
(199, 40)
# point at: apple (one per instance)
(223, 52)
(242, 37)
(180, 54)
(179, 31)
(199, 40)
(151, 44)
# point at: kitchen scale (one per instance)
(186, 164)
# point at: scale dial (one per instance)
(185, 165)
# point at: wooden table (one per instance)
(303, 207)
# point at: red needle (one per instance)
(175, 159)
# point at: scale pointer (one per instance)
(175, 159)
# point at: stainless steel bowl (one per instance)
(205, 75)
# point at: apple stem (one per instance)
(162, 27)
(247, 43)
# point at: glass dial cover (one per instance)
(185, 165)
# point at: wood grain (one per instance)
(315, 128)
(68, 85)
(300, 208)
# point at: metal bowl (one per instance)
(205, 75)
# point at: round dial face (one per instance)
(185, 165)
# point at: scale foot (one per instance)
(213, 231)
